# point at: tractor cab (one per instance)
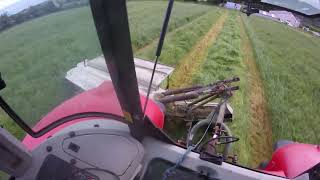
(116, 132)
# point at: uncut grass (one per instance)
(224, 60)
(36, 55)
(179, 43)
(289, 64)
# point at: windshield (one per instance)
(48, 51)
(52, 62)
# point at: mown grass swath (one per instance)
(224, 60)
(36, 55)
(179, 42)
(289, 64)
(145, 23)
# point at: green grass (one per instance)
(35, 56)
(146, 22)
(224, 61)
(289, 64)
(180, 42)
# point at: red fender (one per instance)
(100, 99)
(293, 159)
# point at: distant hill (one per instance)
(19, 6)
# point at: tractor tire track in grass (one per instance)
(191, 63)
(260, 132)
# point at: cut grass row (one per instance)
(191, 63)
(224, 60)
(36, 55)
(149, 19)
(260, 137)
(181, 41)
(288, 61)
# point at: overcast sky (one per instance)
(15, 6)
(5, 3)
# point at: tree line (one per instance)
(47, 7)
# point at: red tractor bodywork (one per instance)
(293, 159)
(100, 99)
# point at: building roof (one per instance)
(307, 7)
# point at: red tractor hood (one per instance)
(100, 99)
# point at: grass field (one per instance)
(288, 61)
(35, 56)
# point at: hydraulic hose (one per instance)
(204, 123)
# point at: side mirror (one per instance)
(2, 83)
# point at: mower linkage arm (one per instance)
(212, 90)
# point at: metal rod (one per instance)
(195, 94)
(199, 100)
(214, 96)
(169, 99)
(201, 88)
(149, 88)
(234, 79)
(181, 90)
(158, 52)
(164, 28)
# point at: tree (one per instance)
(6, 21)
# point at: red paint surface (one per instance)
(100, 99)
(294, 159)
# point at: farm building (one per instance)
(282, 16)
(267, 15)
(231, 5)
(286, 17)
